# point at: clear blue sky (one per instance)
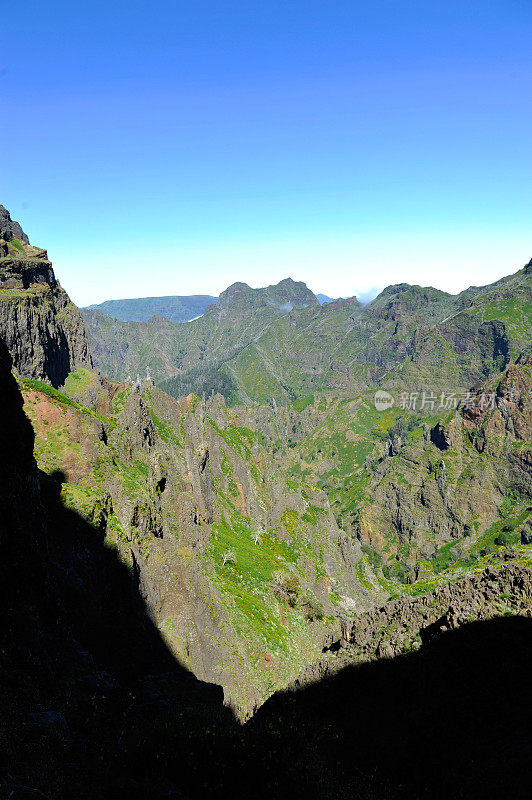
(172, 147)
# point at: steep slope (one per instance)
(449, 492)
(178, 308)
(81, 662)
(43, 330)
(245, 573)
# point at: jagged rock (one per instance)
(43, 330)
(403, 624)
(440, 436)
(526, 536)
(10, 228)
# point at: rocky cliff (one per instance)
(405, 624)
(42, 329)
(11, 229)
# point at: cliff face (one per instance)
(41, 327)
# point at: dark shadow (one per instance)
(89, 692)
(93, 705)
(452, 720)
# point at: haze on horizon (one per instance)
(175, 148)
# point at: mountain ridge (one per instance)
(258, 350)
(175, 308)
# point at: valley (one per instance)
(261, 518)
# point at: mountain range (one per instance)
(314, 518)
(279, 342)
(174, 308)
(177, 308)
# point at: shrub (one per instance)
(502, 540)
(286, 587)
(229, 557)
(312, 608)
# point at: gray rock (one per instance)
(42, 328)
(10, 228)
(526, 536)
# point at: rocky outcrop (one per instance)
(45, 335)
(21, 273)
(405, 624)
(42, 329)
(9, 228)
(440, 436)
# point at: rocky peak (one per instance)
(284, 296)
(10, 228)
(342, 303)
(235, 293)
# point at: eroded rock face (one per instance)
(45, 335)
(397, 626)
(10, 228)
(427, 493)
(440, 437)
(41, 327)
(26, 273)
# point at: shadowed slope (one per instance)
(84, 674)
(450, 721)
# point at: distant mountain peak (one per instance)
(342, 302)
(284, 296)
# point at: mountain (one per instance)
(179, 308)
(323, 298)
(253, 347)
(172, 566)
(227, 327)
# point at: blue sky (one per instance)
(173, 148)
